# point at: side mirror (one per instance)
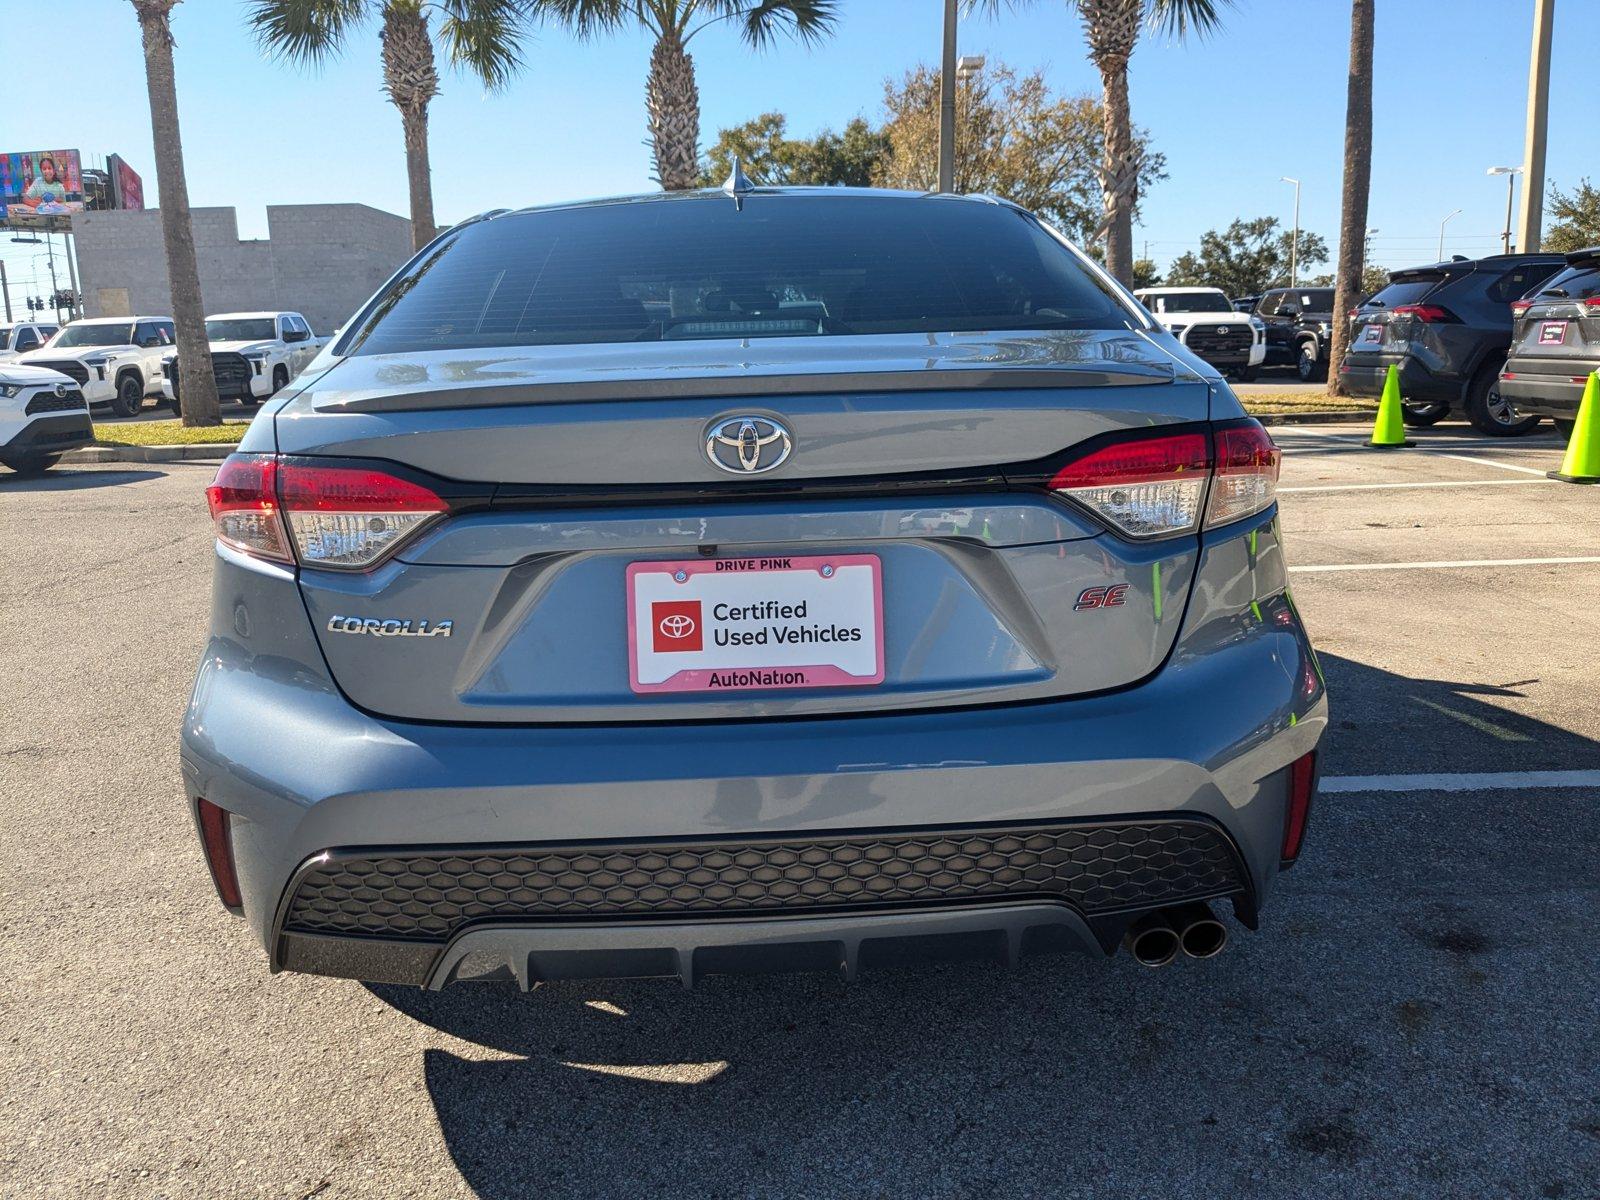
(295, 335)
(1288, 310)
(150, 341)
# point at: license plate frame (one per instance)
(1371, 335)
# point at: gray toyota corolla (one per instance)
(748, 579)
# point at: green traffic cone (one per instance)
(1389, 431)
(1582, 461)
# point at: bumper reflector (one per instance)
(1302, 775)
(219, 852)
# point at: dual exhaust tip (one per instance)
(1155, 939)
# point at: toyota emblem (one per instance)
(61, 391)
(1222, 329)
(677, 626)
(748, 445)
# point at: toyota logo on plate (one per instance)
(748, 445)
(677, 626)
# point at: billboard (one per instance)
(40, 188)
(127, 189)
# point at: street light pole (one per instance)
(1442, 224)
(1538, 122)
(1294, 238)
(1511, 174)
(947, 102)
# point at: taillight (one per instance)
(1246, 479)
(1592, 302)
(1428, 314)
(351, 517)
(1520, 307)
(1302, 778)
(219, 851)
(244, 506)
(1146, 487)
(323, 516)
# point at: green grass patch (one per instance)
(168, 433)
(1277, 403)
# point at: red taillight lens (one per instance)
(1592, 302)
(1302, 777)
(244, 506)
(351, 517)
(1520, 307)
(1246, 480)
(1428, 314)
(219, 852)
(1146, 487)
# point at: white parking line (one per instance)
(1466, 562)
(1432, 483)
(1484, 782)
(1487, 462)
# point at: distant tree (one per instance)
(1575, 218)
(769, 156)
(1145, 273)
(1015, 138)
(1356, 188)
(1246, 258)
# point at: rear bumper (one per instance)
(1545, 395)
(50, 435)
(1365, 377)
(1208, 739)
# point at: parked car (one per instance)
(1555, 344)
(42, 416)
(254, 355)
(1448, 328)
(891, 581)
(18, 339)
(1204, 321)
(1245, 304)
(114, 360)
(1299, 325)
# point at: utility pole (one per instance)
(947, 102)
(1294, 239)
(5, 290)
(55, 288)
(1529, 231)
(1511, 174)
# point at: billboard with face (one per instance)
(40, 187)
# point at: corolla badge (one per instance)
(390, 627)
(748, 445)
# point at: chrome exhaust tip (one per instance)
(1152, 940)
(1200, 933)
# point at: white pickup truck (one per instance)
(113, 360)
(1204, 321)
(253, 355)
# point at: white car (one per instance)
(18, 339)
(42, 415)
(1204, 320)
(115, 360)
(253, 355)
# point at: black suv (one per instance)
(1299, 325)
(1555, 344)
(1448, 328)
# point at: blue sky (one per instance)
(1263, 99)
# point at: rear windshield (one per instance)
(703, 267)
(1573, 283)
(1405, 291)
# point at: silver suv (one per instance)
(748, 579)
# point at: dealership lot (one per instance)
(1419, 1016)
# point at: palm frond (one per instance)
(1179, 18)
(305, 31)
(484, 37)
(760, 21)
(586, 18)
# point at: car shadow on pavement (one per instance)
(1417, 1016)
(65, 479)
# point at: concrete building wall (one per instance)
(321, 260)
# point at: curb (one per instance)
(116, 454)
(1342, 416)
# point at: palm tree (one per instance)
(672, 101)
(483, 37)
(196, 384)
(1357, 184)
(1112, 28)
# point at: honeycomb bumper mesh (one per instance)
(429, 894)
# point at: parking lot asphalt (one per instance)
(1419, 1015)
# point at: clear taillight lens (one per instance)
(1147, 487)
(351, 517)
(341, 517)
(244, 506)
(1246, 474)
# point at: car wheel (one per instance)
(32, 464)
(1421, 416)
(1492, 413)
(280, 378)
(130, 396)
(1565, 426)
(1246, 374)
(1308, 366)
